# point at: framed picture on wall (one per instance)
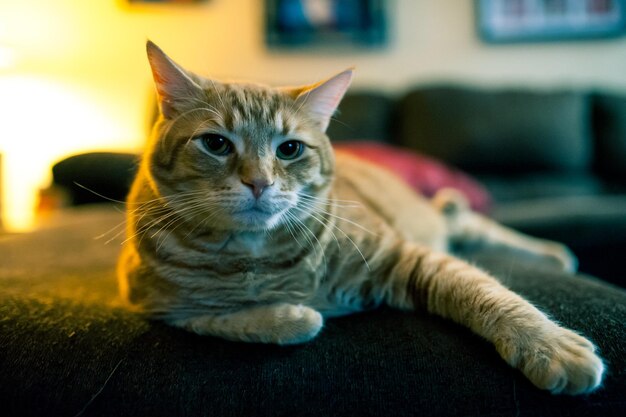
(327, 24)
(503, 21)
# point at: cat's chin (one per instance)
(255, 219)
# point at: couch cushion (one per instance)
(68, 348)
(577, 220)
(609, 123)
(362, 115)
(498, 131)
(594, 228)
(531, 186)
(96, 176)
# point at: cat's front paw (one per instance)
(557, 360)
(294, 324)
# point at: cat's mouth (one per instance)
(255, 217)
(256, 211)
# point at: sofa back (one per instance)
(364, 115)
(609, 126)
(495, 131)
(498, 131)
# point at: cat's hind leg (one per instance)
(283, 324)
(467, 228)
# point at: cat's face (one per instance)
(240, 157)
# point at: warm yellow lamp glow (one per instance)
(43, 121)
(66, 86)
(7, 57)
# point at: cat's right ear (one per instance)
(322, 99)
(175, 88)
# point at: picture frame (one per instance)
(510, 21)
(325, 24)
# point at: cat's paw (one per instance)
(558, 360)
(294, 324)
(563, 256)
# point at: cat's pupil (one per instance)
(290, 149)
(217, 144)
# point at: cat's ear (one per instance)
(175, 88)
(322, 99)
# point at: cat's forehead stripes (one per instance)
(254, 109)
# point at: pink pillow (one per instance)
(426, 175)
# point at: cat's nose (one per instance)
(257, 186)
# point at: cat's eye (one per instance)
(290, 149)
(216, 144)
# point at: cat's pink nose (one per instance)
(257, 186)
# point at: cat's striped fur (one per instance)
(241, 242)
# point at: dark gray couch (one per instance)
(68, 348)
(553, 161)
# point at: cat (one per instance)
(243, 223)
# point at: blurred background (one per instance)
(74, 76)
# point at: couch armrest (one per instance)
(108, 175)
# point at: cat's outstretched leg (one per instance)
(283, 324)
(466, 227)
(552, 357)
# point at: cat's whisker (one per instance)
(344, 234)
(141, 230)
(206, 105)
(170, 220)
(173, 122)
(336, 120)
(296, 113)
(216, 116)
(305, 231)
(166, 227)
(308, 231)
(291, 231)
(98, 194)
(330, 201)
(317, 239)
(313, 207)
(122, 224)
(177, 215)
(181, 218)
(320, 220)
(112, 230)
(333, 204)
(300, 222)
(206, 220)
(296, 224)
(194, 134)
(217, 93)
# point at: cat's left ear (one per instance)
(322, 99)
(176, 90)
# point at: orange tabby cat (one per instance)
(244, 224)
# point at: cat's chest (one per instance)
(242, 260)
(241, 280)
(247, 245)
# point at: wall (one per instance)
(98, 47)
(73, 73)
(432, 40)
